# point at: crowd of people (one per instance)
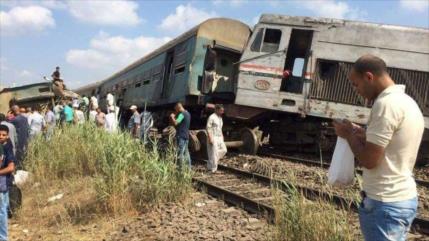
(387, 149)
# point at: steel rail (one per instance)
(419, 224)
(325, 165)
(235, 199)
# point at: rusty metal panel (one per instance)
(331, 84)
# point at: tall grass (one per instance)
(297, 219)
(124, 174)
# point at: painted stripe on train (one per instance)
(261, 68)
(261, 74)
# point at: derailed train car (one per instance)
(285, 81)
(319, 52)
(176, 71)
(32, 95)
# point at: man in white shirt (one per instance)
(50, 121)
(79, 117)
(387, 151)
(36, 122)
(216, 147)
(111, 124)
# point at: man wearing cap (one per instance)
(134, 122)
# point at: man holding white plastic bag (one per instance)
(387, 152)
(216, 147)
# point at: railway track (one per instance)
(252, 192)
(310, 162)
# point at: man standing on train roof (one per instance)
(56, 74)
(134, 122)
(387, 151)
(181, 119)
(216, 147)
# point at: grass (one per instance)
(297, 219)
(121, 173)
(112, 176)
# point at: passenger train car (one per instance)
(175, 71)
(285, 80)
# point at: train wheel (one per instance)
(250, 141)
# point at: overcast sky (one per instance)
(90, 40)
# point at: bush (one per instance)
(124, 174)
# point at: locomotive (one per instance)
(281, 83)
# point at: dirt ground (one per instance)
(200, 217)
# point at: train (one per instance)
(33, 95)
(281, 82)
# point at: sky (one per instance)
(91, 40)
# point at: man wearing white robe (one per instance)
(216, 147)
(111, 124)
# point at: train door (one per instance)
(297, 57)
(168, 66)
(219, 77)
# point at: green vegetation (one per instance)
(124, 175)
(297, 219)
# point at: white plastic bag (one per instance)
(341, 172)
(21, 177)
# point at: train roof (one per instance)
(22, 87)
(310, 21)
(87, 87)
(229, 33)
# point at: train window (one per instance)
(256, 45)
(298, 66)
(44, 89)
(156, 77)
(327, 69)
(138, 84)
(271, 40)
(179, 70)
(146, 82)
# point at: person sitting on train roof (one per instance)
(387, 151)
(181, 119)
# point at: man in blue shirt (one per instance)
(7, 167)
(181, 119)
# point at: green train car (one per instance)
(197, 67)
(31, 95)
